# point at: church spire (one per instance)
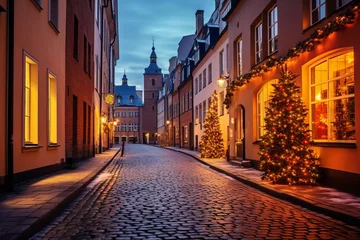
(153, 56)
(124, 79)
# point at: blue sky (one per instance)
(165, 20)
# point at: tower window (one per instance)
(153, 82)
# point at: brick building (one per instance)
(79, 84)
(127, 113)
(153, 79)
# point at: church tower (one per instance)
(153, 79)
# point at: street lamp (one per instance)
(223, 81)
(103, 118)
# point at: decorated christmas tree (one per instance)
(212, 144)
(285, 152)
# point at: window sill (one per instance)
(333, 144)
(54, 27)
(53, 146)
(273, 53)
(31, 147)
(38, 6)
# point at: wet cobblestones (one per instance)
(159, 194)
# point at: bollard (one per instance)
(122, 148)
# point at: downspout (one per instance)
(9, 154)
(112, 76)
(101, 67)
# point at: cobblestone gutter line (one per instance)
(325, 210)
(52, 208)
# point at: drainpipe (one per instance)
(111, 69)
(101, 66)
(9, 155)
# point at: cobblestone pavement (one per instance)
(159, 194)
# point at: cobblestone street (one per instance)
(159, 194)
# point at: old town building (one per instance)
(32, 83)
(153, 79)
(296, 33)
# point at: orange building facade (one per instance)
(328, 75)
(36, 67)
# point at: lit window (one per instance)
(185, 134)
(196, 115)
(318, 10)
(263, 99)
(239, 57)
(258, 43)
(332, 96)
(221, 103)
(52, 109)
(273, 30)
(30, 102)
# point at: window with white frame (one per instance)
(258, 43)
(239, 57)
(273, 30)
(52, 108)
(263, 99)
(210, 73)
(204, 78)
(318, 10)
(30, 101)
(332, 97)
(221, 62)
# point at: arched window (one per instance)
(131, 99)
(332, 98)
(153, 82)
(263, 98)
(118, 99)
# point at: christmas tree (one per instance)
(340, 116)
(212, 144)
(285, 152)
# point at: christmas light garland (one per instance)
(305, 46)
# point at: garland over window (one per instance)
(307, 45)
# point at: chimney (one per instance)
(199, 20)
(217, 3)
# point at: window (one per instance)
(210, 73)
(97, 11)
(204, 80)
(31, 102)
(185, 134)
(196, 115)
(85, 51)
(153, 95)
(204, 109)
(130, 127)
(190, 100)
(90, 4)
(186, 101)
(76, 37)
(123, 127)
(200, 82)
(53, 13)
(318, 10)
(89, 124)
(136, 114)
(84, 122)
(38, 4)
(239, 57)
(258, 43)
(97, 73)
(196, 85)
(74, 120)
(343, 2)
(263, 99)
(221, 62)
(119, 100)
(200, 114)
(89, 60)
(209, 102)
(221, 103)
(153, 108)
(332, 97)
(52, 108)
(153, 82)
(273, 30)
(131, 98)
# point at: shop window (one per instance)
(52, 108)
(263, 99)
(332, 97)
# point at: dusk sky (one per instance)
(166, 21)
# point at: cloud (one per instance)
(166, 21)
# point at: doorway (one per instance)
(240, 132)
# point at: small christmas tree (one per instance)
(212, 144)
(285, 152)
